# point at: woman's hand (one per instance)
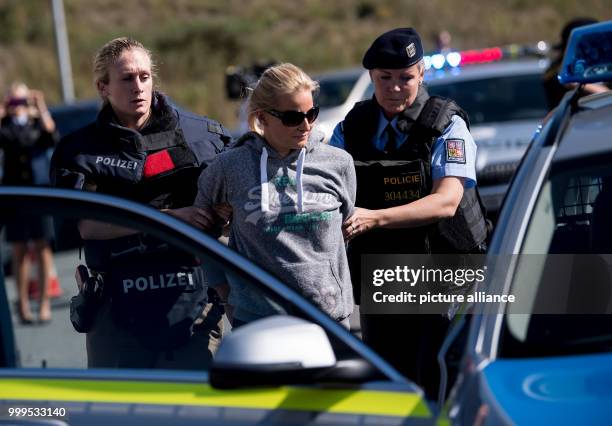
(362, 220)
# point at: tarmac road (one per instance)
(54, 344)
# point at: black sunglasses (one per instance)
(15, 102)
(295, 118)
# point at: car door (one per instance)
(43, 367)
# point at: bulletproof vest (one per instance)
(159, 169)
(389, 179)
(157, 292)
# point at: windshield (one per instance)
(565, 265)
(497, 99)
(333, 91)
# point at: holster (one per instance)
(84, 306)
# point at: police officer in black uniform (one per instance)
(144, 149)
(415, 161)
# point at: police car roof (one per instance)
(467, 72)
(489, 70)
(589, 131)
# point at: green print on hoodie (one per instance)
(287, 217)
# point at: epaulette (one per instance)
(215, 127)
(438, 112)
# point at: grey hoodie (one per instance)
(295, 229)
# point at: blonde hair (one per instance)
(110, 53)
(18, 88)
(277, 81)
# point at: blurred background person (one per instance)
(554, 89)
(26, 134)
(443, 41)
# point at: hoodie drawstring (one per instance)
(298, 178)
(263, 176)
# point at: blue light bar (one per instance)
(588, 57)
(437, 61)
(453, 59)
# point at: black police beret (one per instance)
(398, 48)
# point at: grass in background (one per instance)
(195, 40)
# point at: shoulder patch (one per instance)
(455, 151)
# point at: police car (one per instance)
(547, 360)
(73, 116)
(297, 368)
(501, 90)
(338, 92)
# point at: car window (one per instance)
(333, 91)
(497, 99)
(565, 266)
(149, 260)
(141, 265)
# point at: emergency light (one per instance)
(588, 56)
(456, 59)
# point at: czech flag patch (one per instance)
(455, 151)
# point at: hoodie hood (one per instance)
(257, 141)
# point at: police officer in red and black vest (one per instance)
(142, 148)
(416, 189)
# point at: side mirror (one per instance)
(283, 350)
(271, 351)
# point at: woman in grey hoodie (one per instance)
(290, 194)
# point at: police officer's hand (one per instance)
(224, 211)
(200, 218)
(362, 220)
